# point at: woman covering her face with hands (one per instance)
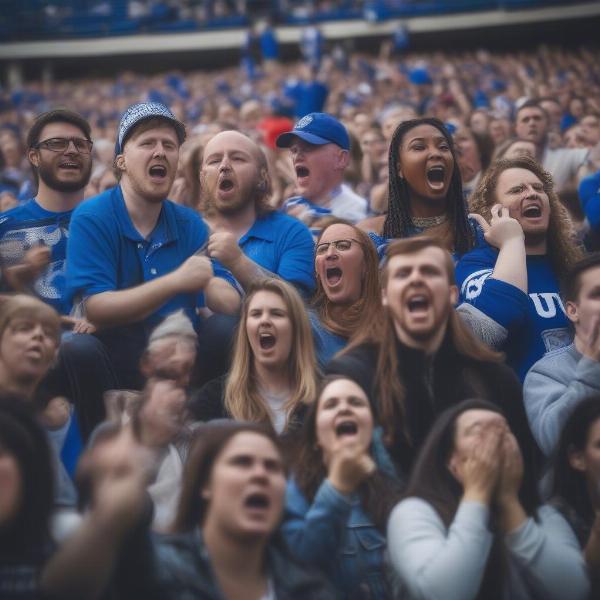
(471, 525)
(338, 500)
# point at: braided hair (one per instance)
(398, 222)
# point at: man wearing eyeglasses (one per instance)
(33, 236)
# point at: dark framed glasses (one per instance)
(339, 245)
(59, 144)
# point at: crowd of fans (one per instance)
(320, 330)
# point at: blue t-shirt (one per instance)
(536, 322)
(107, 253)
(30, 225)
(327, 343)
(284, 246)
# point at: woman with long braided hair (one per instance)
(425, 190)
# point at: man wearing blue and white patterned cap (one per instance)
(136, 256)
(319, 147)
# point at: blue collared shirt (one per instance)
(107, 253)
(283, 245)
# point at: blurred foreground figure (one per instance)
(222, 543)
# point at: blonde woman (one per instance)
(273, 375)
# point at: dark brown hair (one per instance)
(380, 332)
(379, 493)
(59, 115)
(207, 445)
(571, 285)
(432, 481)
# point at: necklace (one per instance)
(427, 222)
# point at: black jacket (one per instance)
(434, 383)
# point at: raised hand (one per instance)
(349, 466)
(511, 473)
(590, 339)
(481, 468)
(223, 246)
(501, 229)
(193, 274)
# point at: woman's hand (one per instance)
(349, 466)
(512, 514)
(502, 229)
(511, 474)
(480, 470)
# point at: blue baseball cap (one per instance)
(142, 111)
(318, 129)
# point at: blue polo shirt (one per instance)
(283, 245)
(107, 253)
(29, 225)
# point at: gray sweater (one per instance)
(433, 562)
(554, 386)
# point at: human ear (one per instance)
(577, 460)
(572, 311)
(120, 163)
(33, 156)
(453, 295)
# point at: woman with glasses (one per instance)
(272, 376)
(346, 267)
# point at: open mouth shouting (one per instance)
(418, 304)
(333, 276)
(267, 340)
(69, 165)
(346, 428)
(436, 177)
(257, 501)
(532, 210)
(225, 185)
(302, 173)
(158, 172)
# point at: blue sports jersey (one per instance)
(29, 225)
(535, 322)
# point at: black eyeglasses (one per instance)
(341, 245)
(59, 144)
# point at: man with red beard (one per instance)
(248, 237)
(33, 236)
(417, 358)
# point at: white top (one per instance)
(276, 403)
(346, 204)
(433, 562)
(563, 164)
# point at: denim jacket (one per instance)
(335, 534)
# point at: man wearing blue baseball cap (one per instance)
(136, 256)
(319, 146)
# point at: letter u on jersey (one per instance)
(546, 304)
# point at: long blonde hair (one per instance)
(242, 399)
